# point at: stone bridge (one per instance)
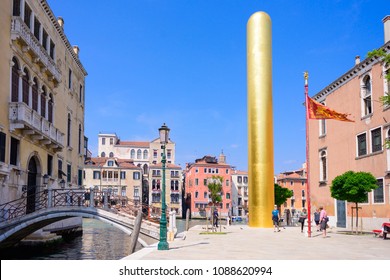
(18, 219)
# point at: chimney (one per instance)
(386, 23)
(357, 60)
(76, 50)
(61, 22)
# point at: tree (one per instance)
(214, 185)
(353, 187)
(282, 194)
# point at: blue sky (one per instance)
(183, 62)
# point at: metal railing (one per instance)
(48, 198)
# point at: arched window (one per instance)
(69, 129)
(103, 154)
(25, 85)
(132, 154)
(146, 154)
(323, 166)
(50, 108)
(303, 193)
(153, 184)
(35, 95)
(15, 81)
(111, 154)
(146, 169)
(43, 102)
(366, 95)
(139, 153)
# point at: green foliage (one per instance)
(215, 188)
(353, 186)
(281, 194)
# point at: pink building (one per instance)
(197, 193)
(336, 146)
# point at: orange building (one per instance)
(336, 146)
(197, 193)
(296, 181)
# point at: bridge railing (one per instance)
(74, 197)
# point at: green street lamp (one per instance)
(164, 137)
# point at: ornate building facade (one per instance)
(42, 84)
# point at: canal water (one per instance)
(99, 241)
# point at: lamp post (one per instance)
(164, 137)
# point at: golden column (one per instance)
(260, 121)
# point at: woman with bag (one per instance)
(302, 218)
(323, 221)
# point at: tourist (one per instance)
(323, 221)
(302, 218)
(275, 218)
(215, 216)
(317, 219)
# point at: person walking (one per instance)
(275, 218)
(215, 214)
(302, 218)
(323, 221)
(317, 219)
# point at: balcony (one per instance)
(21, 32)
(40, 130)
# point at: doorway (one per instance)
(31, 185)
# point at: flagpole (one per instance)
(306, 76)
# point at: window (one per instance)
(81, 94)
(376, 140)
(154, 153)
(80, 177)
(245, 180)
(2, 146)
(227, 195)
(49, 165)
(110, 163)
(50, 108)
(196, 194)
(69, 173)
(362, 144)
(96, 175)
(123, 191)
(70, 79)
(43, 102)
(366, 96)
(111, 141)
(15, 81)
(145, 154)
(239, 179)
(103, 141)
(37, 28)
(169, 154)
(139, 153)
(379, 192)
(291, 183)
(13, 160)
(25, 85)
(322, 127)
(27, 15)
(196, 182)
(205, 182)
(111, 154)
(60, 172)
(205, 195)
(136, 175)
(52, 49)
(16, 8)
(35, 95)
(227, 171)
(80, 136)
(44, 39)
(303, 193)
(69, 130)
(227, 183)
(103, 154)
(323, 166)
(205, 170)
(136, 192)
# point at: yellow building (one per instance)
(42, 85)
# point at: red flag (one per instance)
(318, 111)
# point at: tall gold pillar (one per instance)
(260, 121)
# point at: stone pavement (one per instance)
(240, 242)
